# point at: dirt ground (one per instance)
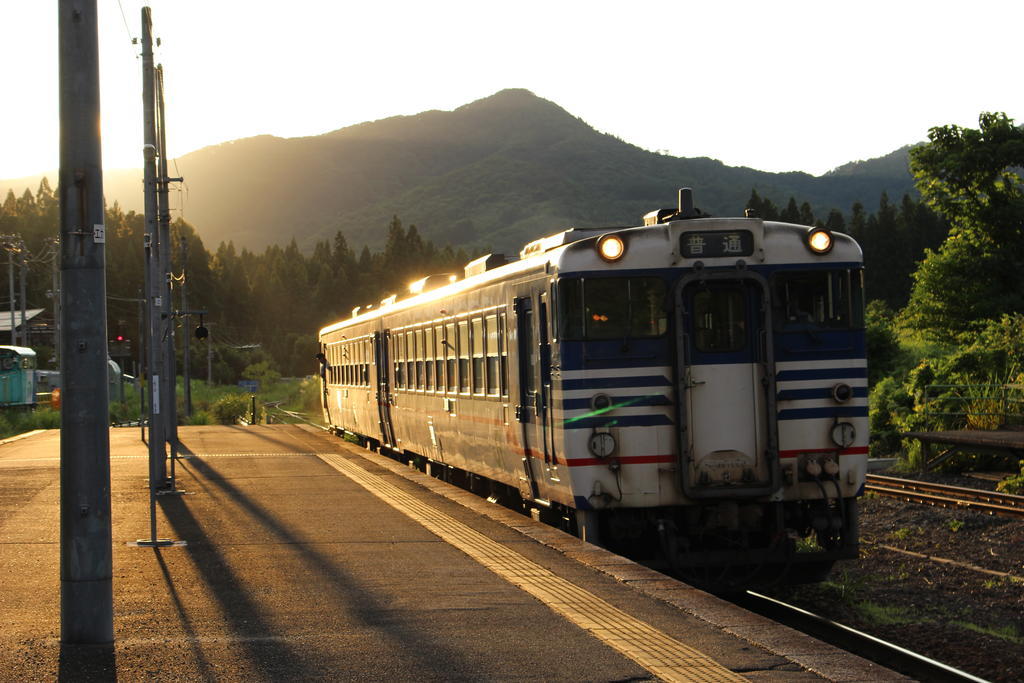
(968, 613)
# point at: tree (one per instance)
(972, 177)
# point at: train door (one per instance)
(725, 375)
(534, 354)
(381, 344)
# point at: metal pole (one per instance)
(154, 291)
(86, 568)
(186, 337)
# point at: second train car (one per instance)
(691, 392)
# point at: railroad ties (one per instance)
(941, 495)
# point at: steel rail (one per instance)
(859, 643)
(941, 495)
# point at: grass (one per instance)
(20, 420)
(903, 533)
(846, 586)
(887, 615)
(808, 545)
(1008, 633)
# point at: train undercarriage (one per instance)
(721, 546)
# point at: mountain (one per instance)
(496, 172)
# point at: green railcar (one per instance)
(17, 376)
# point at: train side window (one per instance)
(366, 362)
(428, 358)
(492, 352)
(421, 377)
(478, 355)
(343, 370)
(503, 353)
(464, 379)
(398, 357)
(450, 352)
(349, 351)
(410, 361)
(439, 357)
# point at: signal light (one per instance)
(119, 338)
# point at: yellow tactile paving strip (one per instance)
(663, 656)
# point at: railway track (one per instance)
(865, 645)
(941, 495)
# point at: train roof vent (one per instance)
(389, 301)
(355, 311)
(432, 282)
(558, 239)
(484, 263)
(658, 216)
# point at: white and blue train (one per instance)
(692, 391)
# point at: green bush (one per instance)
(228, 409)
(200, 417)
(1015, 484)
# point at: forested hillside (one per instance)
(268, 305)
(496, 173)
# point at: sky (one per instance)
(778, 86)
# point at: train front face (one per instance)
(714, 394)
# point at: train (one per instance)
(690, 392)
(17, 377)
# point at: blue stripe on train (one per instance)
(818, 344)
(619, 402)
(615, 382)
(816, 393)
(602, 354)
(820, 373)
(830, 412)
(589, 422)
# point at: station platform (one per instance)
(299, 556)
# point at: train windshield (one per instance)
(818, 300)
(612, 308)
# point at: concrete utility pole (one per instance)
(86, 592)
(154, 281)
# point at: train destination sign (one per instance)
(710, 244)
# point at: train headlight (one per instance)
(611, 248)
(819, 240)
